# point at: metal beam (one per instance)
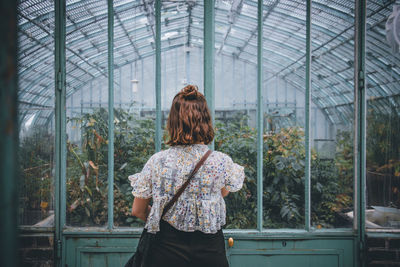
(235, 10)
(253, 33)
(332, 39)
(127, 36)
(68, 60)
(260, 115)
(190, 7)
(209, 53)
(69, 50)
(360, 127)
(60, 128)
(110, 174)
(307, 176)
(9, 177)
(158, 74)
(150, 15)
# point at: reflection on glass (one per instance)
(383, 121)
(134, 108)
(134, 133)
(284, 155)
(36, 190)
(36, 116)
(237, 138)
(87, 168)
(236, 106)
(284, 114)
(87, 114)
(332, 124)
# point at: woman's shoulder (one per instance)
(221, 156)
(156, 157)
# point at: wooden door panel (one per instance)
(110, 251)
(287, 258)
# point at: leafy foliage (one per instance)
(238, 140)
(283, 172)
(283, 167)
(383, 153)
(87, 168)
(383, 138)
(283, 178)
(36, 183)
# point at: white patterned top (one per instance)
(201, 205)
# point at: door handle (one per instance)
(230, 242)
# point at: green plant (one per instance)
(283, 172)
(87, 166)
(283, 168)
(239, 141)
(36, 181)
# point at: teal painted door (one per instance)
(283, 252)
(102, 250)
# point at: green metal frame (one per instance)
(60, 128)
(158, 74)
(209, 54)
(110, 166)
(260, 116)
(360, 105)
(307, 174)
(9, 135)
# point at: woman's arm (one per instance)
(224, 192)
(141, 208)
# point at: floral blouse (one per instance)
(201, 205)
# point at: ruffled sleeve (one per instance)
(141, 182)
(234, 175)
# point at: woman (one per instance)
(190, 233)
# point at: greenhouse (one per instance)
(305, 94)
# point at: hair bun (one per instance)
(190, 92)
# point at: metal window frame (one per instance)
(9, 129)
(209, 55)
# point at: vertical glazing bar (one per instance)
(9, 135)
(120, 87)
(176, 70)
(209, 47)
(110, 113)
(60, 134)
(360, 126)
(131, 78)
(91, 93)
(142, 83)
(260, 116)
(187, 55)
(164, 84)
(158, 74)
(307, 175)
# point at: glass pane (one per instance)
(284, 117)
(236, 105)
(36, 116)
(134, 104)
(182, 51)
(383, 118)
(87, 112)
(332, 114)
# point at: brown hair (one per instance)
(189, 120)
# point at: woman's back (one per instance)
(201, 206)
(190, 233)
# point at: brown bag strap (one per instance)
(183, 187)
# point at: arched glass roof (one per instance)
(235, 36)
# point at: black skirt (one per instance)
(187, 249)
